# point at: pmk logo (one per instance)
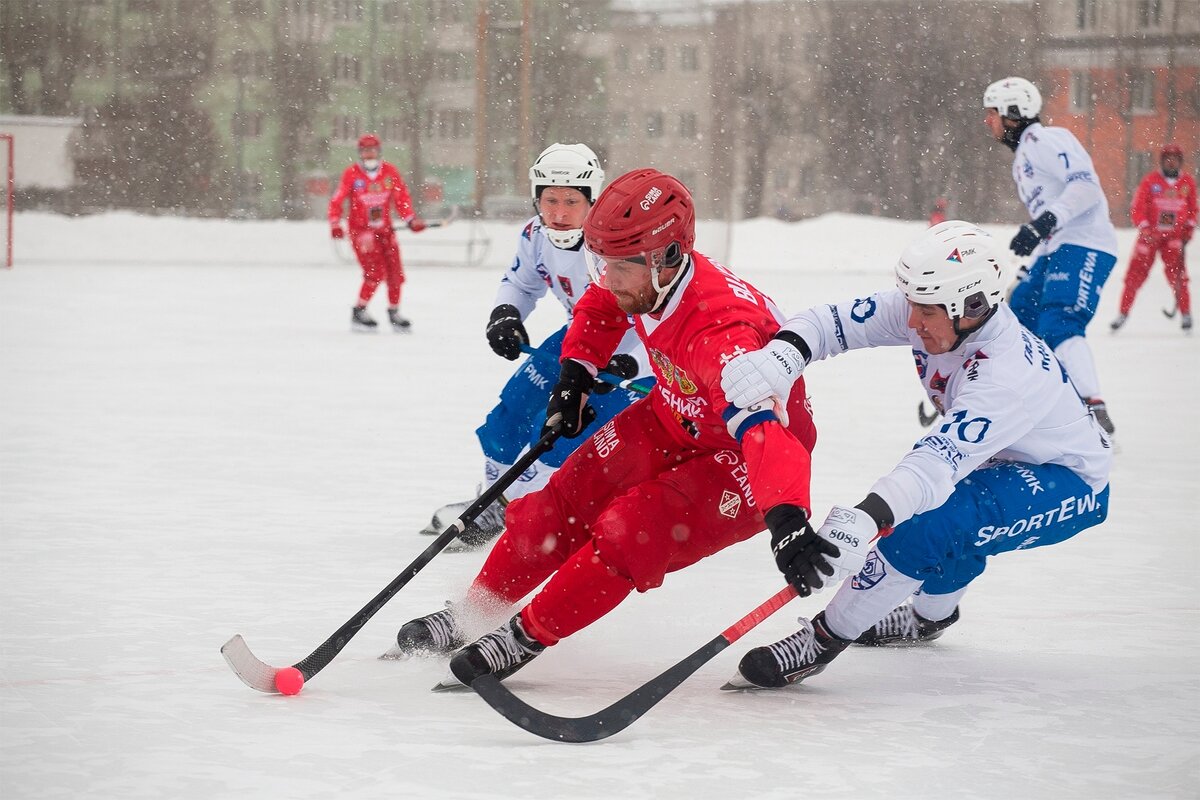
(955, 257)
(650, 198)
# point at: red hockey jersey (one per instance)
(371, 198)
(712, 317)
(1167, 207)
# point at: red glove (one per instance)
(416, 225)
(336, 232)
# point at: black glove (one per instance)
(505, 333)
(1031, 233)
(799, 551)
(568, 401)
(622, 365)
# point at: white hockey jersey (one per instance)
(539, 266)
(1054, 173)
(1002, 394)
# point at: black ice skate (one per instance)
(1116, 324)
(803, 654)
(501, 653)
(435, 634)
(481, 530)
(1100, 411)
(1186, 322)
(904, 626)
(359, 321)
(399, 323)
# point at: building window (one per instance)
(389, 70)
(250, 63)
(1141, 91)
(347, 10)
(390, 12)
(1140, 162)
(247, 125)
(656, 59)
(346, 67)
(1085, 14)
(345, 128)
(1081, 91)
(687, 125)
(689, 58)
(654, 124)
(1149, 13)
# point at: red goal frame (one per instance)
(9, 187)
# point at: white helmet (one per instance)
(1015, 98)
(953, 265)
(572, 165)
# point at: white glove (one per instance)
(753, 377)
(852, 531)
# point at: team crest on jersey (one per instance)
(863, 309)
(387, 184)
(871, 573)
(730, 504)
(922, 361)
(664, 364)
(528, 231)
(359, 183)
(1027, 169)
(685, 385)
(565, 283)
(938, 381)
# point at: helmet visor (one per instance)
(605, 269)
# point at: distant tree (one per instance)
(300, 81)
(45, 36)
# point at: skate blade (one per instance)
(396, 654)
(737, 684)
(450, 684)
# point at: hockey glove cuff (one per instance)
(568, 401)
(623, 365)
(801, 555)
(1031, 233)
(505, 332)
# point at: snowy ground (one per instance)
(192, 445)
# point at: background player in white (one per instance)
(1018, 463)
(564, 182)
(1069, 231)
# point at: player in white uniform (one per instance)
(1069, 232)
(565, 180)
(1018, 462)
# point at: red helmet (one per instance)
(1171, 150)
(368, 140)
(643, 211)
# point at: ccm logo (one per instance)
(844, 536)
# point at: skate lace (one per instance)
(799, 649)
(501, 650)
(442, 628)
(899, 622)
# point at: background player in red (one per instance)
(938, 215)
(676, 477)
(1164, 211)
(373, 186)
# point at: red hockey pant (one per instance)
(379, 256)
(628, 506)
(1173, 265)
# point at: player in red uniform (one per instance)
(373, 186)
(1164, 211)
(676, 477)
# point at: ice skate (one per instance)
(399, 323)
(488, 525)
(803, 654)
(904, 626)
(501, 653)
(359, 321)
(1185, 322)
(1117, 322)
(436, 634)
(1100, 411)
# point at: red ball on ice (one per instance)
(289, 680)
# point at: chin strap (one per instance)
(1012, 136)
(664, 292)
(962, 335)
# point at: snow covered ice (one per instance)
(193, 444)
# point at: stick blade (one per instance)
(256, 674)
